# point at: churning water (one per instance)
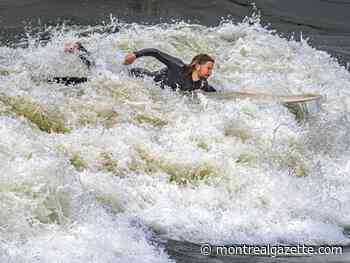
(104, 171)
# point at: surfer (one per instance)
(176, 74)
(83, 54)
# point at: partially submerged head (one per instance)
(202, 65)
(72, 47)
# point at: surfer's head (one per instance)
(72, 47)
(202, 65)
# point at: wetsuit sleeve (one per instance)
(68, 80)
(169, 61)
(85, 60)
(84, 56)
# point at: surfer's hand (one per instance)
(129, 59)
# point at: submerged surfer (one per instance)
(83, 54)
(177, 74)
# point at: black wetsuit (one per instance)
(176, 75)
(75, 80)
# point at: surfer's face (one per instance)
(204, 70)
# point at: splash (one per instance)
(117, 150)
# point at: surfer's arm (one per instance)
(84, 56)
(68, 80)
(85, 60)
(166, 59)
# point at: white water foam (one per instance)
(196, 170)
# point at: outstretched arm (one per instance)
(68, 80)
(85, 60)
(166, 59)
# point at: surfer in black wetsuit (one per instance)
(75, 47)
(177, 74)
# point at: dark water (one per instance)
(325, 22)
(185, 252)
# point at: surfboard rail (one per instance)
(231, 95)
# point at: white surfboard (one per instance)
(231, 95)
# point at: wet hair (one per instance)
(199, 59)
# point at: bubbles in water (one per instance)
(197, 169)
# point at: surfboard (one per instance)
(232, 95)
